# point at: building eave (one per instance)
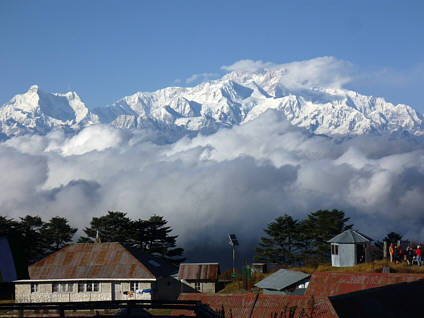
(81, 279)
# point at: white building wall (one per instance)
(347, 254)
(205, 286)
(23, 293)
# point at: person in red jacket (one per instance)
(391, 250)
(418, 252)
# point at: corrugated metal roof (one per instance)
(349, 237)
(282, 279)
(332, 283)
(241, 305)
(235, 306)
(98, 260)
(199, 271)
(293, 306)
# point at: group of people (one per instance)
(409, 255)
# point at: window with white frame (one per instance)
(197, 286)
(134, 286)
(35, 287)
(88, 287)
(62, 287)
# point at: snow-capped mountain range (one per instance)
(234, 99)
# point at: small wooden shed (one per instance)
(348, 248)
(285, 282)
(199, 277)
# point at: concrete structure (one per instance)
(348, 248)
(262, 268)
(285, 282)
(199, 277)
(97, 272)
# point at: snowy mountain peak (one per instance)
(37, 111)
(235, 99)
(33, 88)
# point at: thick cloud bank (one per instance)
(236, 180)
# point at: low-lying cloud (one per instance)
(397, 85)
(237, 180)
(326, 71)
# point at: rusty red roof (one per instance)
(236, 306)
(293, 306)
(332, 283)
(259, 306)
(98, 260)
(199, 271)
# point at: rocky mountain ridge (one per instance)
(234, 99)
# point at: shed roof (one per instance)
(333, 283)
(199, 271)
(350, 237)
(99, 260)
(282, 279)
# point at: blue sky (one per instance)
(105, 50)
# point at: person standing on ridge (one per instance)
(418, 253)
(391, 252)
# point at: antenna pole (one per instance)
(234, 262)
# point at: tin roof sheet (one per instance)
(293, 306)
(199, 271)
(245, 306)
(332, 283)
(235, 306)
(98, 260)
(350, 237)
(282, 279)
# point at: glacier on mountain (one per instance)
(235, 99)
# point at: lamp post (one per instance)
(233, 242)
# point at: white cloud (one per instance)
(324, 71)
(236, 180)
(92, 138)
(200, 77)
(248, 66)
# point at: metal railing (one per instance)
(20, 309)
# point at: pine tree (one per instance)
(393, 237)
(29, 229)
(115, 226)
(281, 245)
(317, 229)
(150, 236)
(156, 239)
(57, 233)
